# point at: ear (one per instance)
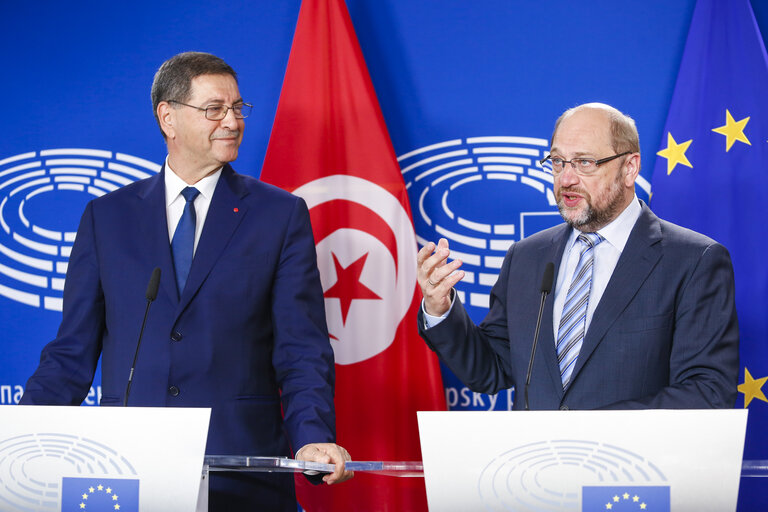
(631, 169)
(167, 117)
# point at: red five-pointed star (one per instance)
(348, 286)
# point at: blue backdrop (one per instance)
(462, 85)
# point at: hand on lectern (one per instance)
(327, 453)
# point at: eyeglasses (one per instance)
(582, 166)
(219, 112)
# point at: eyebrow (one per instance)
(555, 150)
(221, 102)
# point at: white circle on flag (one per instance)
(368, 278)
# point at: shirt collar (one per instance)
(617, 231)
(174, 185)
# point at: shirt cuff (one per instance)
(431, 320)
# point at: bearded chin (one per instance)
(581, 219)
(590, 219)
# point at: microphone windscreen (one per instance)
(546, 280)
(154, 284)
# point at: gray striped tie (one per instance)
(570, 334)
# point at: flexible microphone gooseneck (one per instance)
(546, 287)
(152, 286)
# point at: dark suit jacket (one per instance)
(664, 334)
(246, 337)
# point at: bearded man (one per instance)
(643, 312)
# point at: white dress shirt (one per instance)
(174, 201)
(606, 255)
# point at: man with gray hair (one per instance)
(238, 324)
(643, 312)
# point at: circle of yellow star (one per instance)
(733, 131)
(752, 388)
(675, 153)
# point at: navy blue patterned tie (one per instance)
(183, 243)
(570, 334)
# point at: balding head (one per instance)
(624, 136)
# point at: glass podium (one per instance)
(749, 468)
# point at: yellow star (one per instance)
(109, 490)
(608, 506)
(91, 489)
(82, 505)
(100, 487)
(752, 388)
(626, 496)
(733, 131)
(114, 497)
(675, 153)
(643, 506)
(85, 496)
(117, 507)
(635, 498)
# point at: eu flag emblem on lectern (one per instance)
(616, 498)
(96, 494)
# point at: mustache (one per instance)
(228, 134)
(573, 190)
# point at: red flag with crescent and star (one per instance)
(330, 145)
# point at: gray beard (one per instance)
(591, 219)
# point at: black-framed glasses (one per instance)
(582, 166)
(218, 112)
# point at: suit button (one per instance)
(176, 336)
(564, 408)
(173, 390)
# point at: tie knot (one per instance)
(590, 239)
(190, 193)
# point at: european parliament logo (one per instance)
(562, 474)
(95, 476)
(483, 194)
(42, 195)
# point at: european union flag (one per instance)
(652, 497)
(710, 170)
(96, 494)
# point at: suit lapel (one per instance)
(546, 344)
(637, 260)
(154, 217)
(224, 215)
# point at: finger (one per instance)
(439, 274)
(425, 252)
(338, 456)
(441, 292)
(436, 260)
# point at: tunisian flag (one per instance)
(329, 145)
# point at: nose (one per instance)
(230, 121)
(569, 176)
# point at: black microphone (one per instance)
(546, 287)
(152, 286)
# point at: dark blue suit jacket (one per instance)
(664, 334)
(247, 337)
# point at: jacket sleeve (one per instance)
(68, 363)
(302, 358)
